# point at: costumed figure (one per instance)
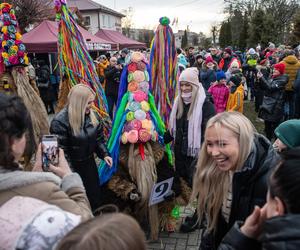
(140, 158)
(164, 68)
(75, 62)
(14, 78)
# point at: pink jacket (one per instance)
(220, 94)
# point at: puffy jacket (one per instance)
(220, 93)
(291, 67)
(67, 193)
(249, 188)
(278, 233)
(101, 67)
(207, 77)
(112, 75)
(236, 100)
(272, 108)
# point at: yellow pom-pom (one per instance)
(4, 29)
(3, 43)
(14, 47)
(5, 55)
(18, 36)
(26, 61)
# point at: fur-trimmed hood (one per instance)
(15, 179)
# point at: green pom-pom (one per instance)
(164, 21)
(58, 16)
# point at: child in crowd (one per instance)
(29, 223)
(115, 231)
(233, 69)
(220, 92)
(208, 72)
(288, 135)
(236, 97)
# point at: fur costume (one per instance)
(140, 158)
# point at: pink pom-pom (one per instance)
(136, 57)
(139, 76)
(133, 136)
(20, 53)
(141, 66)
(144, 135)
(136, 124)
(13, 60)
(132, 67)
(139, 96)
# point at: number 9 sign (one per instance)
(159, 190)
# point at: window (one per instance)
(104, 21)
(87, 20)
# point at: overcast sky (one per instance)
(199, 15)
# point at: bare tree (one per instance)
(31, 11)
(127, 22)
(214, 32)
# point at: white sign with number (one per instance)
(159, 190)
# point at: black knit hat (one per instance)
(236, 80)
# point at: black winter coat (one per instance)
(272, 108)
(249, 188)
(207, 77)
(279, 233)
(79, 151)
(185, 165)
(112, 76)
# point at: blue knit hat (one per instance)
(220, 75)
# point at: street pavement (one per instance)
(178, 240)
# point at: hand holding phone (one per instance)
(49, 151)
(61, 170)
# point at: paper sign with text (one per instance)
(159, 190)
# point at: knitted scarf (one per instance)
(195, 121)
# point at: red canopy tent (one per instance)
(120, 39)
(43, 39)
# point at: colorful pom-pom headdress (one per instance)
(13, 59)
(137, 119)
(74, 59)
(11, 46)
(163, 64)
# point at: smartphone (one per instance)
(49, 151)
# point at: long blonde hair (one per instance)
(181, 105)
(78, 99)
(210, 184)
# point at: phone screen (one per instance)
(49, 151)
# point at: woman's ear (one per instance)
(279, 207)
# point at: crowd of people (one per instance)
(245, 183)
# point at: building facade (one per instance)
(97, 16)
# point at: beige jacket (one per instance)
(67, 193)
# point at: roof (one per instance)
(43, 39)
(120, 39)
(83, 5)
